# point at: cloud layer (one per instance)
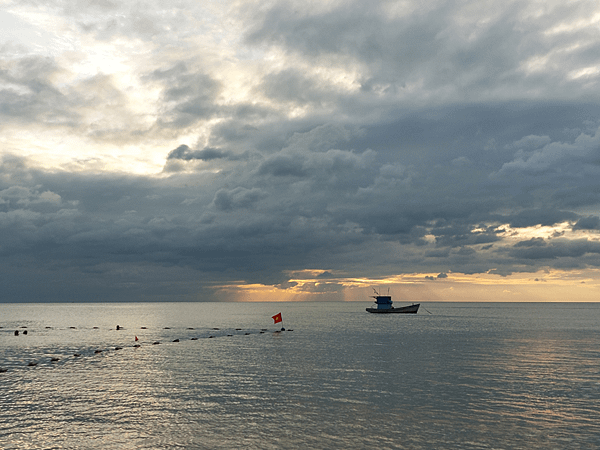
(188, 152)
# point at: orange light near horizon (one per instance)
(544, 285)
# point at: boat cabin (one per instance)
(383, 301)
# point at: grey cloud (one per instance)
(282, 166)
(588, 223)
(183, 152)
(533, 242)
(29, 94)
(557, 249)
(226, 200)
(444, 48)
(438, 277)
(188, 96)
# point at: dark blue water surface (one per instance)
(469, 376)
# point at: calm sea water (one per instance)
(469, 376)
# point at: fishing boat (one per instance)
(384, 306)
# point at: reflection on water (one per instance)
(468, 376)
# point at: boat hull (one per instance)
(412, 309)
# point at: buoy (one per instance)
(282, 329)
(72, 328)
(194, 339)
(166, 328)
(230, 335)
(118, 327)
(215, 328)
(262, 332)
(137, 345)
(95, 328)
(25, 332)
(246, 334)
(238, 329)
(176, 340)
(143, 328)
(16, 332)
(155, 343)
(190, 328)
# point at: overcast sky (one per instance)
(298, 150)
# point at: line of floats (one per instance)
(23, 330)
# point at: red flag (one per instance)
(277, 318)
(136, 338)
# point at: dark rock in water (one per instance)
(76, 355)
(194, 339)
(54, 359)
(175, 340)
(32, 363)
(155, 343)
(118, 348)
(2, 370)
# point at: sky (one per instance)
(299, 150)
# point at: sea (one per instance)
(224, 376)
